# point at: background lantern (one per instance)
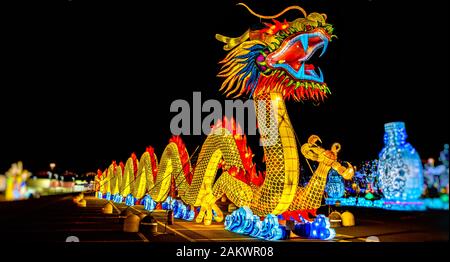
(400, 167)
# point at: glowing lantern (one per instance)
(335, 186)
(400, 167)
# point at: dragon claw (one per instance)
(313, 139)
(335, 148)
(349, 172)
(346, 172)
(207, 213)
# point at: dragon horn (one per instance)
(311, 150)
(313, 139)
(232, 42)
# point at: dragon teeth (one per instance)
(304, 39)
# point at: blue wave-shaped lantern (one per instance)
(317, 229)
(108, 196)
(117, 198)
(243, 221)
(168, 204)
(130, 200)
(181, 211)
(148, 203)
(99, 195)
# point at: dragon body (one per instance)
(269, 65)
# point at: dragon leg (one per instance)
(309, 198)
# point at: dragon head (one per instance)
(277, 58)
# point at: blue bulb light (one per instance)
(416, 205)
(318, 229)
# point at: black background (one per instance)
(86, 82)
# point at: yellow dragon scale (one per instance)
(246, 71)
(279, 192)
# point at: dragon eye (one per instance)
(261, 63)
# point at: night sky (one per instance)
(83, 84)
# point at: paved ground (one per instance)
(55, 218)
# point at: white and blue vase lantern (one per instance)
(400, 168)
